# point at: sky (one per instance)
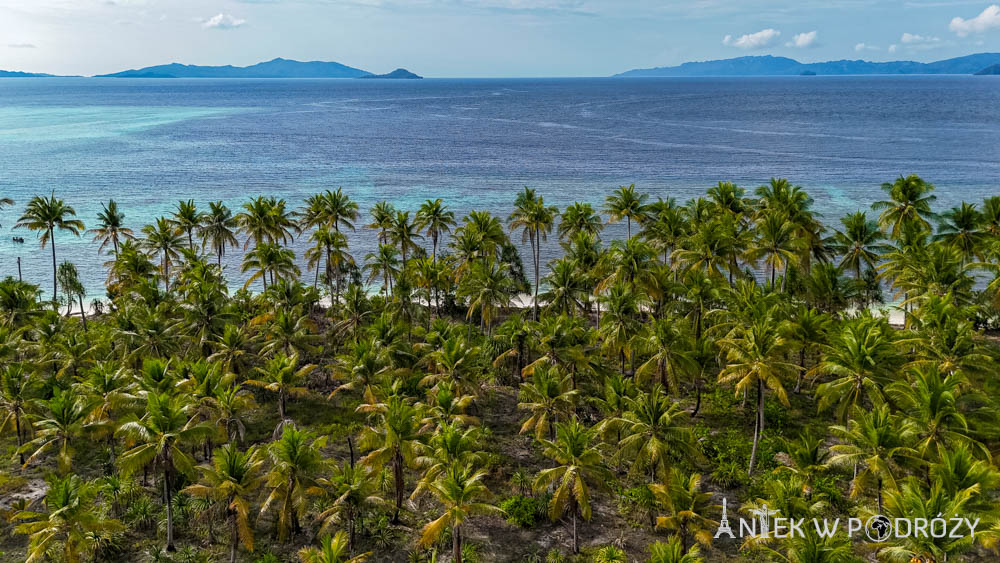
(482, 38)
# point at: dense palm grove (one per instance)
(440, 400)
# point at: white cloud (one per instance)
(892, 48)
(987, 20)
(20, 45)
(864, 47)
(222, 21)
(763, 38)
(803, 40)
(913, 39)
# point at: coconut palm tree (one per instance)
(231, 481)
(72, 525)
(579, 467)
(160, 437)
(17, 394)
(110, 227)
(163, 238)
(352, 489)
(961, 228)
(265, 219)
(909, 204)
(579, 218)
(461, 492)
(218, 229)
(653, 432)
(434, 219)
(860, 243)
(330, 210)
(269, 260)
(669, 345)
(63, 420)
(808, 330)
(487, 289)
(777, 244)
(875, 442)
(547, 397)
(187, 219)
(755, 355)
(862, 358)
(296, 459)
(385, 265)
(281, 374)
(626, 203)
(396, 439)
(688, 508)
(73, 288)
(404, 233)
(535, 220)
(46, 215)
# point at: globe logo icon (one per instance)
(878, 528)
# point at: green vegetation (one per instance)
(440, 401)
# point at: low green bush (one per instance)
(524, 512)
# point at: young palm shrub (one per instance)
(64, 419)
(673, 552)
(460, 491)
(688, 508)
(160, 438)
(353, 489)
(547, 397)
(808, 459)
(450, 444)
(73, 525)
(283, 376)
(231, 481)
(331, 550)
(579, 468)
(296, 459)
(810, 547)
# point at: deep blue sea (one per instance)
(148, 143)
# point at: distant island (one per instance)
(275, 68)
(398, 74)
(990, 70)
(16, 74)
(769, 65)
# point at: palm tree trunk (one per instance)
(20, 438)
(880, 495)
(802, 369)
(397, 471)
(233, 544)
(697, 403)
(170, 509)
(758, 425)
(83, 313)
(535, 244)
(55, 286)
(576, 540)
(456, 544)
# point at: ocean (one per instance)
(148, 143)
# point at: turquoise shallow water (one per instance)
(148, 143)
